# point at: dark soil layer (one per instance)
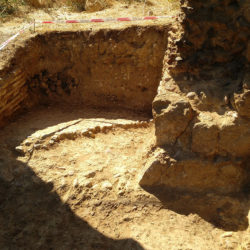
(105, 68)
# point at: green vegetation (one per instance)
(78, 5)
(7, 7)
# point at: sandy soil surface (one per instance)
(26, 15)
(73, 184)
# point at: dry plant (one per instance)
(8, 7)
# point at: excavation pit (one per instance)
(77, 114)
(105, 69)
(75, 110)
(67, 85)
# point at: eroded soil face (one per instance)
(101, 68)
(70, 181)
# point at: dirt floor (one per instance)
(73, 184)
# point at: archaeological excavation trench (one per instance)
(106, 68)
(99, 79)
(137, 69)
(77, 101)
(91, 89)
(114, 71)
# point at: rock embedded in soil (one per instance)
(202, 108)
(19, 149)
(106, 185)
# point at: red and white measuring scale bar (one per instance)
(102, 20)
(4, 44)
(11, 38)
(93, 20)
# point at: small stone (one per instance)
(84, 132)
(86, 183)
(44, 147)
(191, 95)
(226, 100)
(51, 142)
(62, 168)
(178, 58)
(71, 173)
(19, 149)
(37, 146)
(75, 183)
(117, 175)
(106, 185)
(97, 129)
(63, 183)
(203, 96)
(227, 234)
(95, 186)
(30, 150)
(98, 203)
(54, 137)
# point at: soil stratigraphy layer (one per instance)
(104, 68)
(202, 106)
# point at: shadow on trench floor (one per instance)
(229, 213)
(33, 217)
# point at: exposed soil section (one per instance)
(109, 65)
(104, 68)
(202, 107)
